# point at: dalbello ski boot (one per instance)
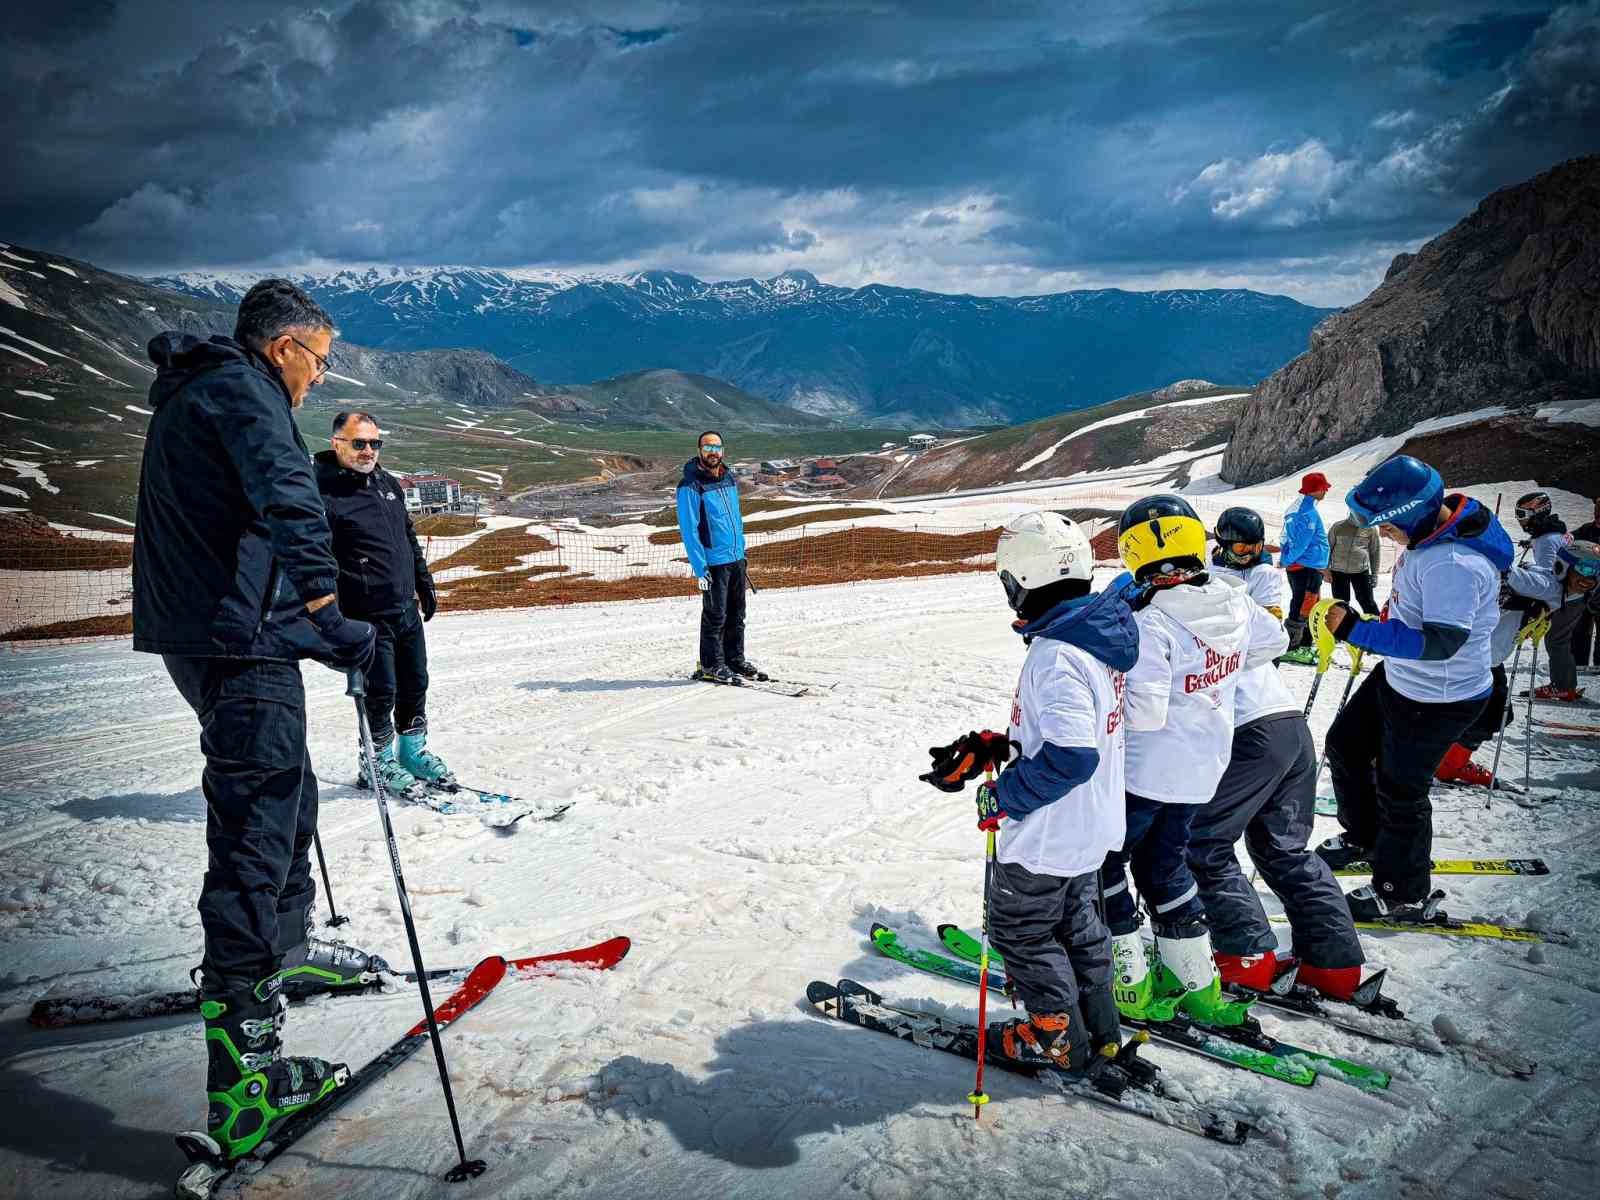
(421, 762)
(1133, 985)
(1188, 968)
(250, 1083)
(324, 965)
(397, 781)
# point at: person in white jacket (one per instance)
(1198, 634)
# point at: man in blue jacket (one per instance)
(713, 538)
(1304, 558)
(234, 582)
(1434, 681)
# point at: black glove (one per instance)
(427, 598)
(350, 644)
(966, 758)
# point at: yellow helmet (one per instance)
(1161, 535)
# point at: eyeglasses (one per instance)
(362, 443)
(322, 363)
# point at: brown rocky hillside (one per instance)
(1503, 309)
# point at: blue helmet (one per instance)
(1403, 491)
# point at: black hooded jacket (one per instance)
(380, 559)
(231, 541)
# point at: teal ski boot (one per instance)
(397, 780)
(422, 763)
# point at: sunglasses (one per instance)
(711, 448)
(362, 443)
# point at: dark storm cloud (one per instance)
(1030, 147)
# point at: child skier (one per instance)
(1431, 687)
(1198, 635)
(1058, 803)
(1267, 795)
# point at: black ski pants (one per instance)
(1558, 644)
(261, 813)
(1583, 641)
(1382, 752)
(1156, 847)
(1302, 583)
(397, 680)
(1268, 796)
(1497, 710)
(1056, 948)
(1360, 582)
(722, 616)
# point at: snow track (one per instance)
(746, 842)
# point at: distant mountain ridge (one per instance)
(874, 354)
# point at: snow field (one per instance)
(746, 843)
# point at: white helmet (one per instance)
(1038, 549)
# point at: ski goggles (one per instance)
(1244, 549)
(1584, 568)
(1525, 515)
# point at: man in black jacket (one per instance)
(383, 579)
(234, 583)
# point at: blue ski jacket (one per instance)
(1305, 541)
(1102, 624)
(708, 517)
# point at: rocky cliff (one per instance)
(1502, 309)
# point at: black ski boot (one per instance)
(1366, 904)
(250, 1084)
(749, 670)
(1339, 851)
(716, 674)
(1042, 1040)
(324, 965)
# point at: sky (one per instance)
(953, 145)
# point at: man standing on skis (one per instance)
(1268, 796)
(1199, 634)
(1057, 806)
(712, 530)
(234, 582)
(384, 580)
(1305, 557)
(1431, 687)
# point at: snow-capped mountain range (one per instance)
(876, 353)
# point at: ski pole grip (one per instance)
(357, 684)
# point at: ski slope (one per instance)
(746, 842)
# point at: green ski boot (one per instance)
(1188, 967)
(1132, 982)
(250, 1084)
(1300, 656)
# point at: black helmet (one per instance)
(1533, 510)
(1161, 536)
(1241, 527)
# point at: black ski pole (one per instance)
(334, 919)
(466, 1168)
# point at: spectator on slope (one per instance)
(1304, 556)
(233, 584)
(384, 580)
(1353, 558)
(1433, 684)
(1198, 635)
(713, 538)
(1268, 796)
(1058, 804)
(1546, 534)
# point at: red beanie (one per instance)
(1315, 482)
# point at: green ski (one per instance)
(1183, 1035)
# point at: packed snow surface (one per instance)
(745, 842)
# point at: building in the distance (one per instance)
(430, 493)
(824, 466)
(921, 441)
(776, 466)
